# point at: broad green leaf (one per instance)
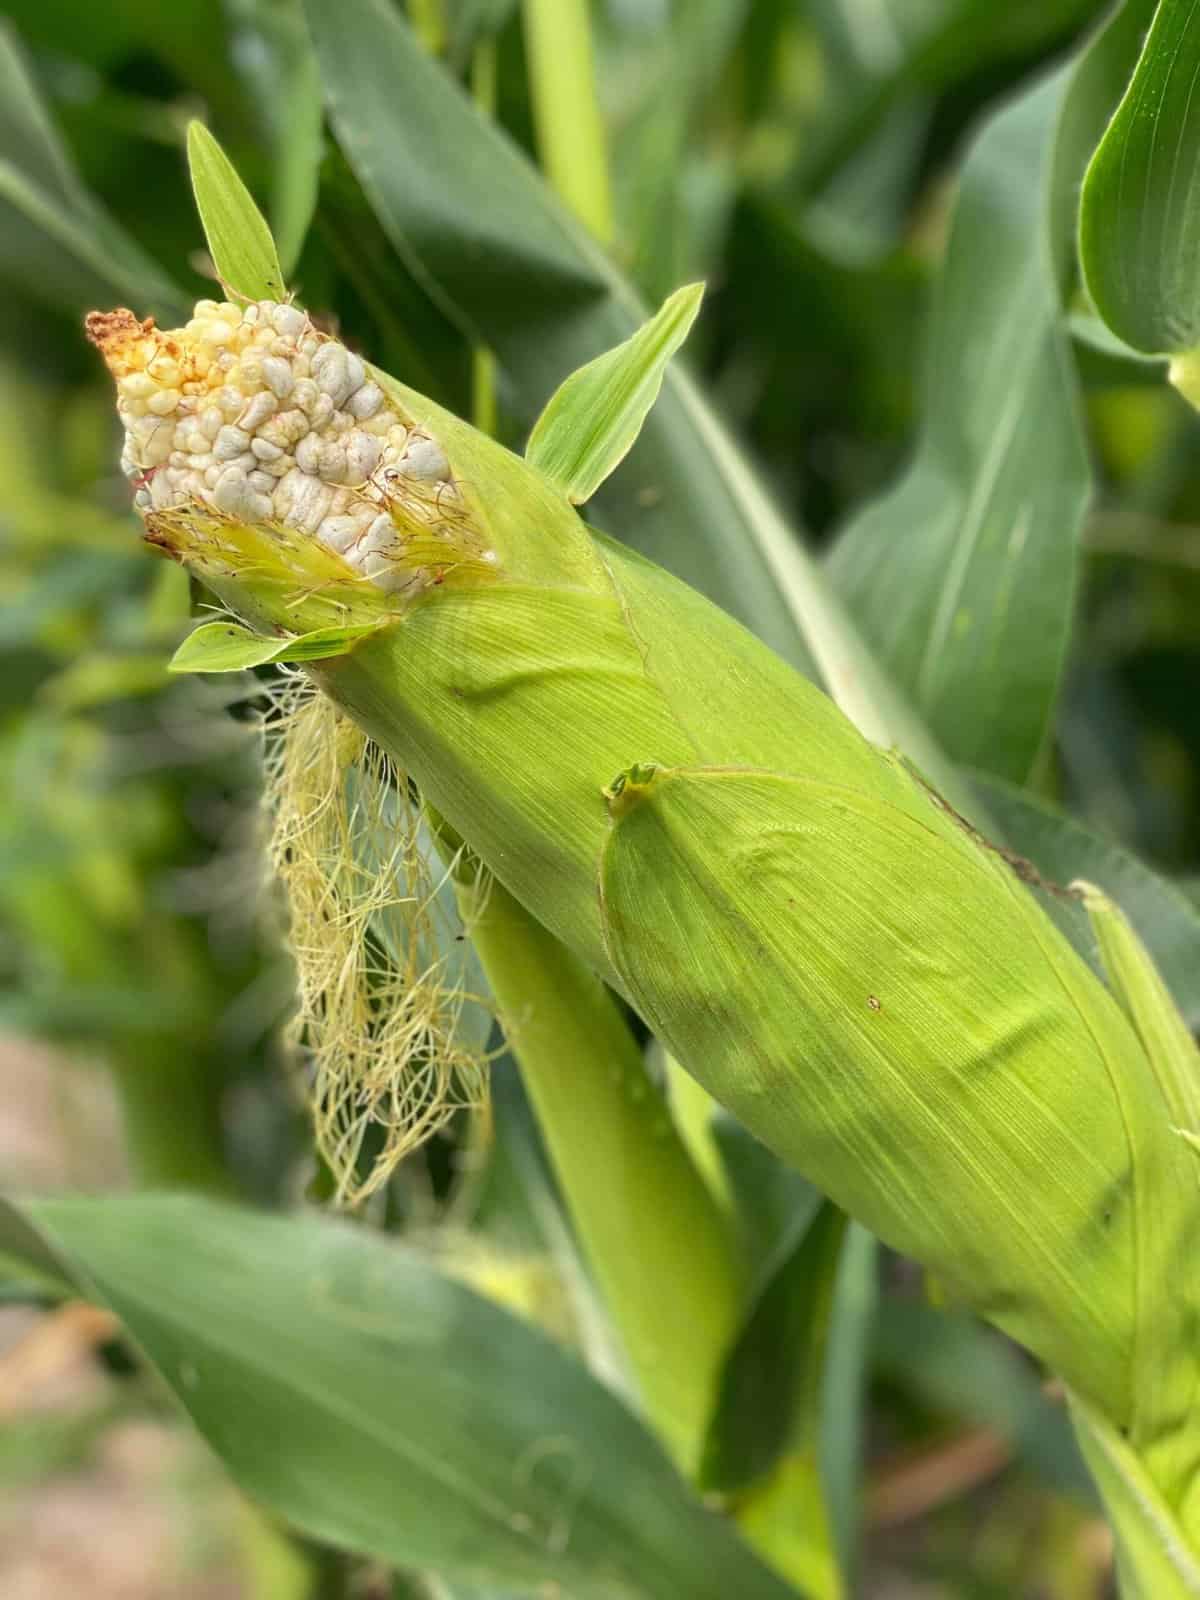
(1063, 849)
(1139, 231)
(381, 1407)
(963, 576)
(764, 1441)
(593, 418)
(548, 302)
(228, 647)
(25, 1257)
(54, 238)
(239, 240)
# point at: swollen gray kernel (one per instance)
(365, 402)
(256, 413)
(381, 535)
(331, 370)
(278, 376)
(250, 410)
(424, 460)
(339, 533)
(362, 456)
(287, 321)
(230, 442)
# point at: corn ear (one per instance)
(814, 935)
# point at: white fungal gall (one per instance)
(254, 413)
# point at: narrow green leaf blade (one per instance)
(593, 418)
(1139, 224)
(228, 647)
(239, 240)
(764, 1442)
(223, 647)
(768, 1379)
(384, 1408)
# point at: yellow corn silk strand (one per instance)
(815, 937)
(391, 1032)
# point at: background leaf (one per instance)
(54, 238)
(963, 576)
(448, 1434)
(1139, 231)
(270, 47)
(1064, 849)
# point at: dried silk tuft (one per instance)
(387, 1017)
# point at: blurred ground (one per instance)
(98, 1495)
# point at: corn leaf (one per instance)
(450, 1435)
(963, 576)
(673, 189)
(239, 240)
(593, 418)
(275, 58)
(228, 647)
(1063, 849)
(1139, 232)
(764, 1441)
(769, 1375)
(54, 238)
(844, 1400)
(873, 65)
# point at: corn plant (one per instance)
(781, 977)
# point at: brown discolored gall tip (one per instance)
(116, 334)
